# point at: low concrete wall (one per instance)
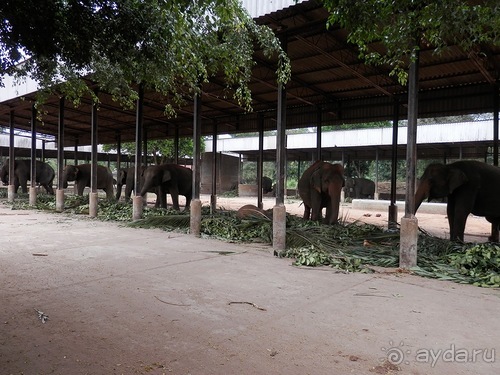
(382, 205)
(247, 190)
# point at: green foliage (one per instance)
(349, 247)
(162, 150)
(232, 229)
(170, 47)
(406, 25)
(481, 263)
(364, 125)
(249, 171)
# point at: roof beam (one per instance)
(479, 63)
(344, 65)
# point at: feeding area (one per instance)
(347, 247)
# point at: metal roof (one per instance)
(434, 141)
(328, 79)
(258, 8)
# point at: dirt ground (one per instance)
(135, 301)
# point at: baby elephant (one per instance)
(359, 188)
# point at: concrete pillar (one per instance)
(195, 217)
(93, 202)
(59, 200)
(11, 194)
(408, 242)
(137, 204)
(32, 198)
(279, 227)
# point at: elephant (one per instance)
(470, 187)
(81, 175)
(359, 188)
(126, 176)
(22, 173)
(267, 185)
(169, 178)
(320, 186)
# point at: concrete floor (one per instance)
(137, 301)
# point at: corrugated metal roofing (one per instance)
(329, 83)
(258, 8)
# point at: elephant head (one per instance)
(328, 180)
(121, 178)
(154, 176)
(349, 186)
(70, 173)
(438, 181)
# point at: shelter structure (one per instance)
(329, 85)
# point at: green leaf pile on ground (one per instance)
(350, 247)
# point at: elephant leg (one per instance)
(24, 184)
(450, 213)
(316, 213)
(175, 200)
(315, 206)
(457, 217)
(16, 184)
(495, 225)
(188, 202)
(307, 212)
(48, 189)
(118, 191)
(357, 193)
(128, 192)
(494, 237)
(110, 196)
(80, 187)
(158, 199)
(162, 196)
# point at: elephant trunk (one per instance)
(421, 194)
(333, 214)
(146, 186)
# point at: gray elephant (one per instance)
(81, 175)
(359, 188)
(169, 178)
(22, 173)
(126, 176)
(320, 186)
(267, 185)
(471, 188)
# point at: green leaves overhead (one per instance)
(169, 46)
(162, 150)
(387, 31)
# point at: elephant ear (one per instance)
(316, 180)
(456, 179)
(167, 176)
